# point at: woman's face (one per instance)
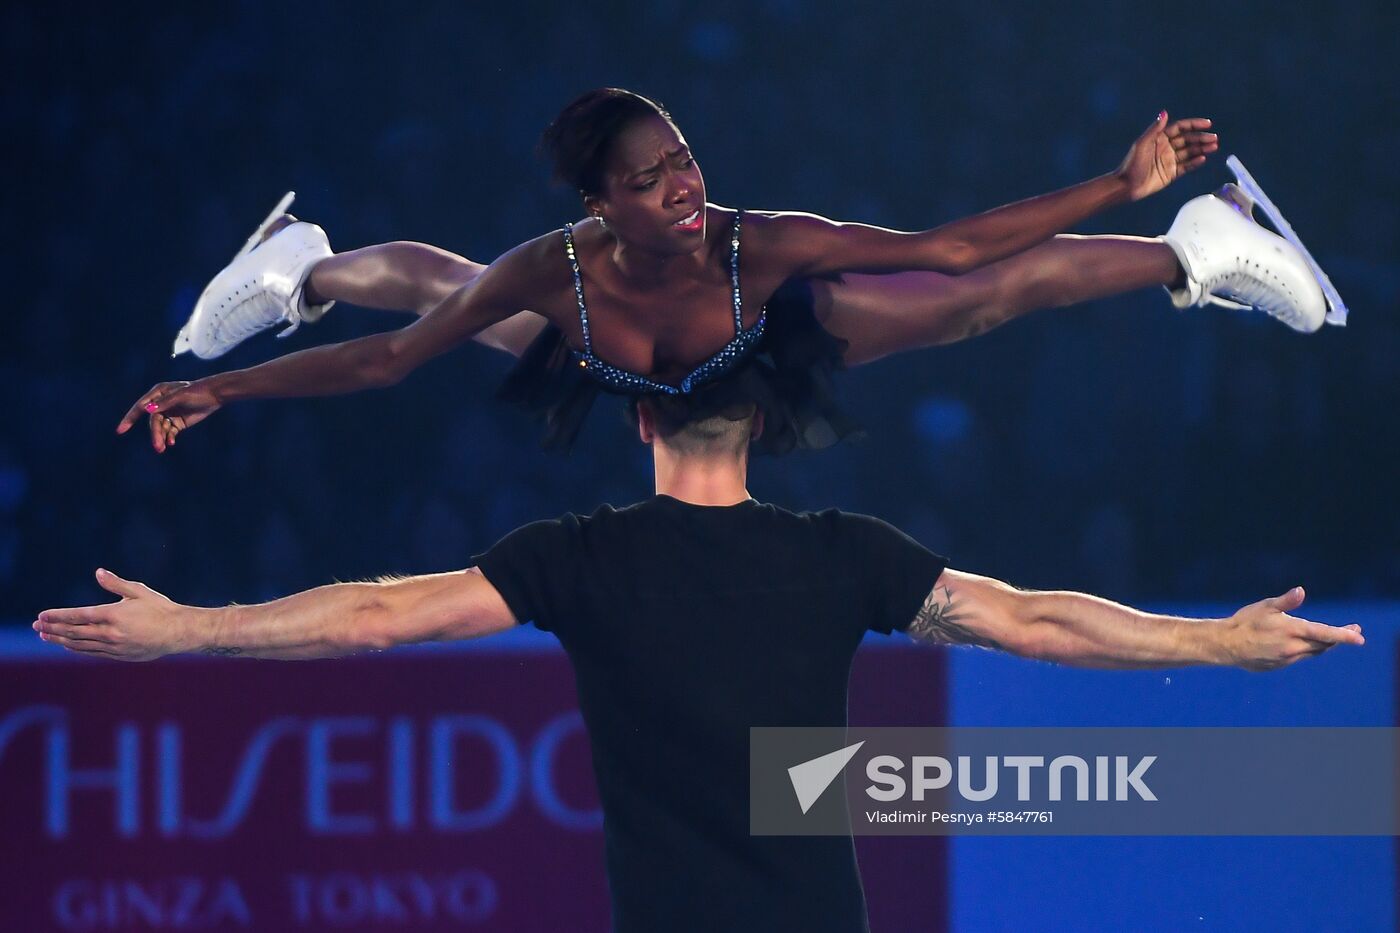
(653, 193)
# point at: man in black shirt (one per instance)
(689, 618)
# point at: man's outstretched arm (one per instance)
(326, 622)
(1087, 631)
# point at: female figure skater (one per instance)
(659, 262)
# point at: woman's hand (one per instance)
(1164, 153)
(172, 407)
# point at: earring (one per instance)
(601, 222)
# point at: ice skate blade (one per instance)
(1336, 310)
(277, 211)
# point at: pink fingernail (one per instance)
(151, 406)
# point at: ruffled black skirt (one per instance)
(788, 375)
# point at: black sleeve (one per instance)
(534, 568)
(899, 571)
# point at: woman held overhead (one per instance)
(645, 296)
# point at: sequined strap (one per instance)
(734, 275)
(578, 284)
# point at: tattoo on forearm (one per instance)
(221, 652)
(942, 620)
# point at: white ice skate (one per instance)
(262, 287)
(1230, 260)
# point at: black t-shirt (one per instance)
(686, 625)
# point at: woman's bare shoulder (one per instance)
(777, 241)
(534, 271)
(774, 225)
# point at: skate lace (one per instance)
(1247, 287)
(257, 312)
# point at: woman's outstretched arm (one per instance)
(794, 245)
(508, 285)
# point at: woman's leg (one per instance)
(399, 276)
(411, 277)
(882, 314)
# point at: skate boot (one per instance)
(262, 287)
(1231, 261)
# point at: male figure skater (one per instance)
(689, 618)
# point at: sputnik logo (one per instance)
(810, 779)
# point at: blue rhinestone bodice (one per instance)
(620, 380)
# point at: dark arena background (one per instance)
(1187, 461)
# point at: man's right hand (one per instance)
(142, 626)
(172, 407)
(1262, 636)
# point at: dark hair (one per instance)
(581, 138)
(721, 412)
